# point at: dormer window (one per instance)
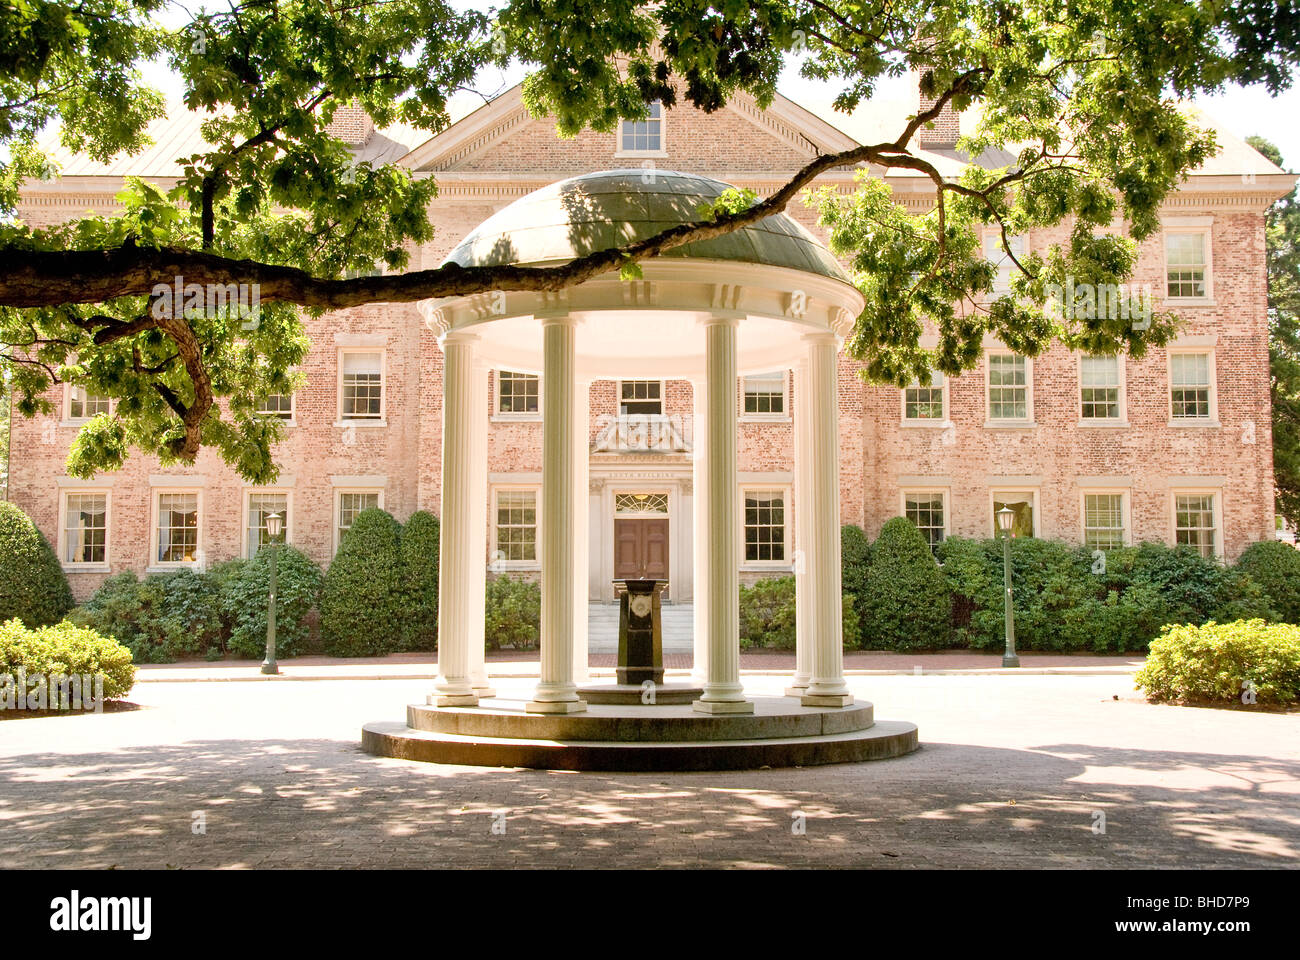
(643, 137)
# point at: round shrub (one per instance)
(909, 604)
(160, 618)
(244, 593)
(33, 587)
(767, 614)
(361, 611)
(855, 559)
(66, 649)
(1275, 566)
(513, 614)
(1221, 661)
(420, 576)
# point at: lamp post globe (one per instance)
(274, 527)
(1006, 519)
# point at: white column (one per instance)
(826, 687)
(581, 524)
(476, 572)
(556, 692)
(803, 498)
(457, 559)
(723, 692)
(700, 530)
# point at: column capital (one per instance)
(458, 338)
(823, 337)
(558, 319)
(716, 320)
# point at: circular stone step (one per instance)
(666, 694)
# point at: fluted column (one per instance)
(581, 524)
(826, 687)
(723, 692)
(476, 573)
(803, 499)
(457, 559)
(700, 529)
(556, 692)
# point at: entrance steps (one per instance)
(678, 627)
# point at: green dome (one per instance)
(600, 210)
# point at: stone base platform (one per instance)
(666, 694)
(625, 737)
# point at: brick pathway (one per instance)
(1013, 772)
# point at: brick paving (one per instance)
(1012, 772)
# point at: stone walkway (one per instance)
(1014, 771)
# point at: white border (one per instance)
(101, 566)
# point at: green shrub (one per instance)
(420, 579)
(1212, 662)
(909, 604)
(513, 613)
(1275, 566)
(768, 615)
(33, 587)
(158, 619)
(855, 559)
(361, 610)
(66, 649)
(244, 591)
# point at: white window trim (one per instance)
(337, 512)
(72, 567)
(498, 414)
(160, 566)
(1205, 229)
(66, 419)
(905, 492)
(1122, 420)
(1017, 238)
(989, 422)
(287, 536)
(382, 419)
(784, 417)
(618, 395)
(944, 421)
(1034, 504)
(292, 419)
(498, 564)
(1125, 510)
(1213, 419)
(785, 489)
(1217, 494)
(663, 138)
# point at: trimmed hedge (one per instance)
(767, 615)
(66, 649)
(1275, 566)
(361, 608)
(419, 548)
(33, 587)
(908, 604)
(513, 613)
(160, 618)
(1219, 661)
(855, 561)
(244, 587)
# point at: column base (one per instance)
(796, 689)
(723, 706)
(827, 700)
(453, 700)
(555, 706)
(484, 692)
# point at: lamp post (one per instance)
(1006, 517)
(274, 524)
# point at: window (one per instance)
(1099, 381)
(362, 394)
(764, 526)
(996, 255)
(178, 528)
(1022, 505)
(516, 526)
(1190, 386)
(643, 136)
(276, 405)
(1194, 522)
(518, 393)
(640, 397)
(352, 503)
(1008, 387)
(83, 405)
(260, 505)
(1103, 521)
(85, 528)
(1185, 265)
(925, 509)
(924, 402)
(765, 394)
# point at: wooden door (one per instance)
(641, 548)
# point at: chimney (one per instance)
(942, 132)
(351, 124)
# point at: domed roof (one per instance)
(600, 210)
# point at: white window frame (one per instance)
(498, 563)
(785, 489)
(337, 512)
(382, 419)
(292, 419)
(943, 420)
(1205, 231)
(287, 536)
(783, 417)
(1019, 246)
(504, 415)
(1122, 419)
(1125, 511)
(1212, 359)
(989, 421)
(68, 388)
(663, 136)
(942, 492)
(1216, 495)
(618, 396)
(92, 566)
(1034, 505)
(155, 565)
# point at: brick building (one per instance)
(1174, 447)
